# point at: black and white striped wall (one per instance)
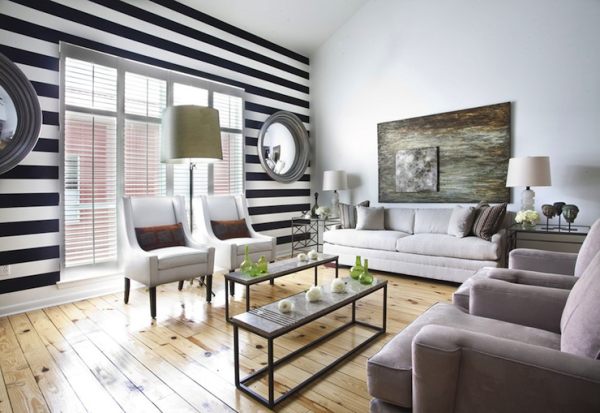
(163, 33)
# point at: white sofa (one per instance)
(416, 242)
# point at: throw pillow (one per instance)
(488, 221)
(348, 214)
(235, 228)
(461, 221)
(369, 218)
(163, 236)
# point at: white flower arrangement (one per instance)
(528, 216)
(338, 286)
(314, 294)
(322, 211)
(285, 306)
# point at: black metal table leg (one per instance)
(337, 267)
(236, 355)
(226, 300)
(353, 311)
(271, 372)
(247, 298)
(316, 282)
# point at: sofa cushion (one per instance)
(432, 220)
(377, 240)
(461, 221)
(399, 219)
(369, 218)
(489, 220)
(444, 245)
(348, 214)
(174, 257)
(588, 250)
(580, 322)
(389, 372)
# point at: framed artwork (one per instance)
(459, 156)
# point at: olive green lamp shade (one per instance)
(190, 133)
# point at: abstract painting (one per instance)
(417, 170)
(469, 149)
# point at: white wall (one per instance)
(397, 59)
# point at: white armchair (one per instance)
(229, 253)
(162, 265)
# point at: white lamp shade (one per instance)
(529, 171)
(334, 180)
(190, 133)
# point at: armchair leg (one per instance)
(152, 291)
(209, 292)
(272, 281)
(180, 286)
(126, 292)
(232, 289)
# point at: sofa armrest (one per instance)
(479, 372)
(540, 279)
(539, 307)
(542, 261)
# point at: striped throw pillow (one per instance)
(488, 221)
(348, 214)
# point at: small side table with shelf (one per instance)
(547, 238)
(307, 233)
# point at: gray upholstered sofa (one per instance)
(416, 242)
(487, 360)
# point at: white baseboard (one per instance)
(61, 293)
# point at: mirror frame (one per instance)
(29, 114)
(300, 136)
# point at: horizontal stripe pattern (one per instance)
(161, 33)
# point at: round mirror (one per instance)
(283, 147)
(20, 115)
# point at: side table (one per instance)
(550, 239)
(307, 233)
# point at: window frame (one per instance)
(123, 65)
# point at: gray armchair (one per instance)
(521, 349)
(538, 268)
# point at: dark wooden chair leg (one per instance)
(232, 288)
(272, 281)
(180, 286)
(209, 288)
(152, 291)
(126, 292)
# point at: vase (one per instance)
(357, 270)
(366, 277)
(247, 265)
(527, 226)
(262, 265)
(313, 210)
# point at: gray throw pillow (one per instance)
(348, 214)
(461, 221)
(488, 221)
(369, 218)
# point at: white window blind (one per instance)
(112, 143)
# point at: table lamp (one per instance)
(528, 171)
(190, 134)
(332, 181)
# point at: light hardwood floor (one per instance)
(100, 355)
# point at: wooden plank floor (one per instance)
(100, 355)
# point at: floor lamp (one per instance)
(190, 134)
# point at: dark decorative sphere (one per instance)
(549, 211)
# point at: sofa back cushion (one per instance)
(589, 248)
(580, 322)
(369, 218)
(461, 221)
(432, 220)
(399, 219)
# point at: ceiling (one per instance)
(298, 25)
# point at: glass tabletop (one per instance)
(553, 229)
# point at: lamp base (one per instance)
(335, 205)
(527, 200)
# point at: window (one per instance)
(112, 111)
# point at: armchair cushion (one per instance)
(254, 245)
(580, 323)
(173, 257)
(542, 261)
(221, 208)
(228, 229)
(162, 236)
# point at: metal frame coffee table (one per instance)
(276, 270)
(269, 323)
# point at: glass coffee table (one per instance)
(268, 322)
(276, 269)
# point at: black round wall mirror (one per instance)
(20, 115)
